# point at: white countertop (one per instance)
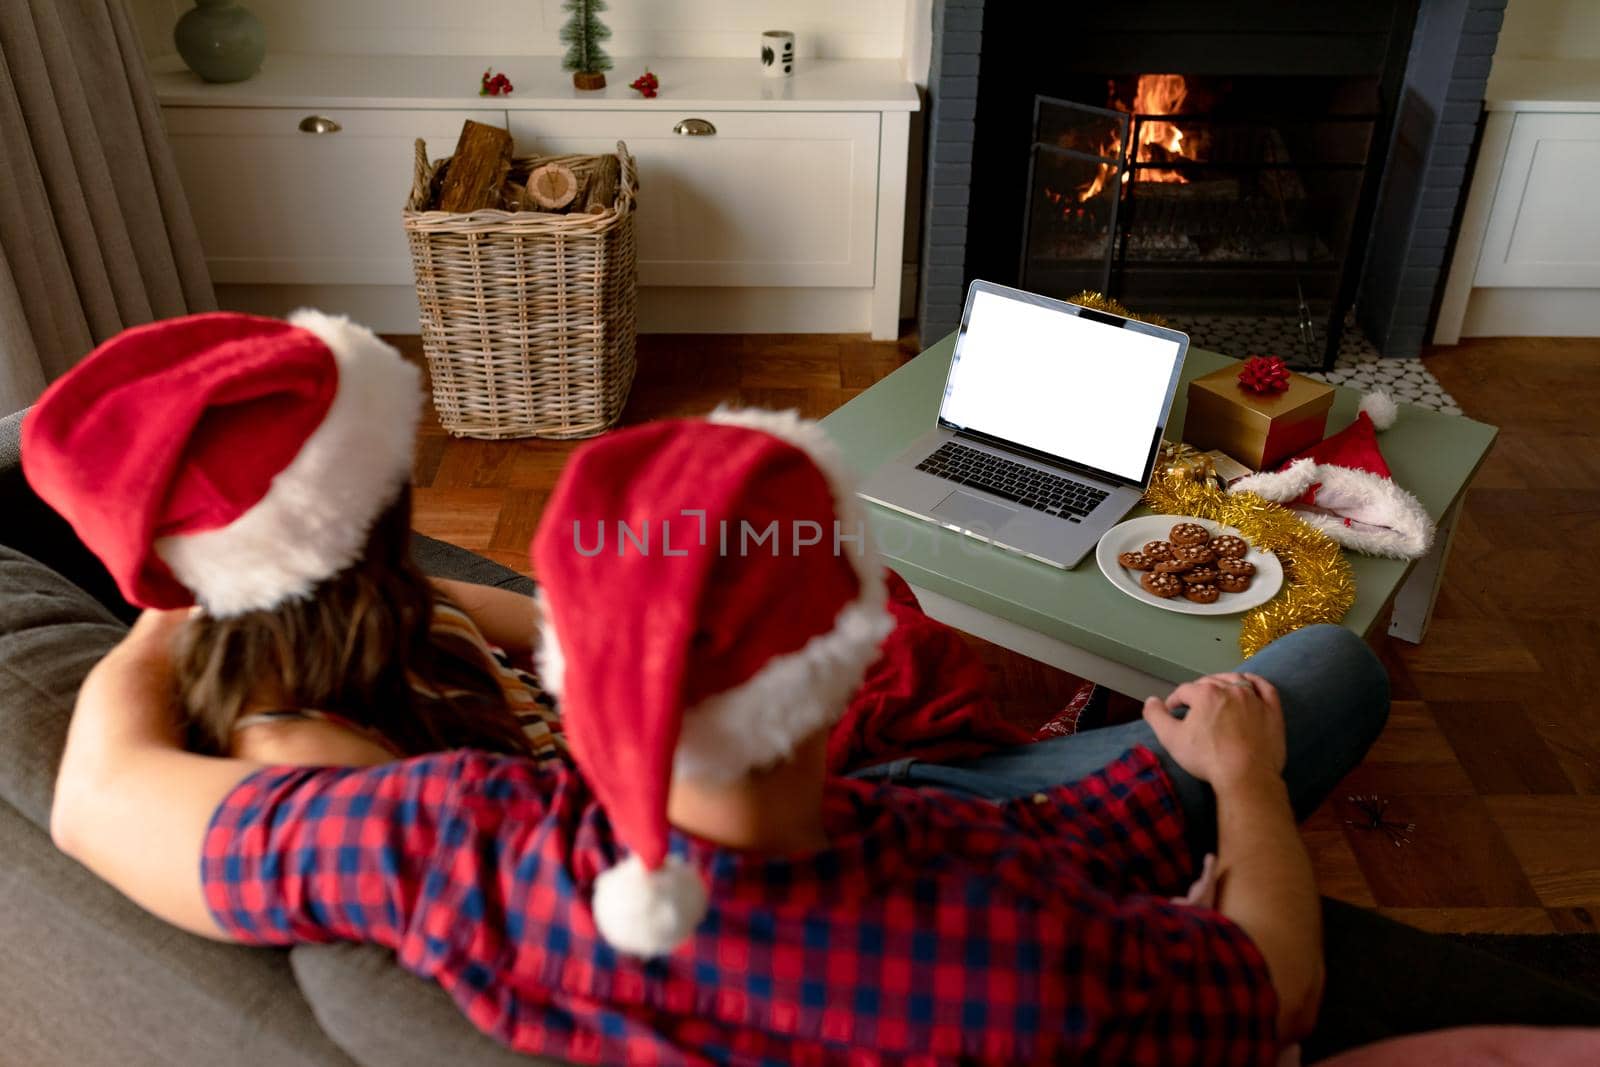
(355, 81)
(1543, 85)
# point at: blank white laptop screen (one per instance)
(1059, 384)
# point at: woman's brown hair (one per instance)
(353, 648)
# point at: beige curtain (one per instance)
(95, 233)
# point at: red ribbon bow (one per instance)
(1264, 376)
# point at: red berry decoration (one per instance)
(497, 85)
(646, 84)
(1264, 376)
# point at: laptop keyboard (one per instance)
(1028, 486)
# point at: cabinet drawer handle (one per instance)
(319, 124)
(694, 128)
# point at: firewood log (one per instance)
(524, 201)
(480, 164)
(603, 186)
(553, 186)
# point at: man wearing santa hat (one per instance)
(697, 888)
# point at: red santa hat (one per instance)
(226, 459)
(708, 601)
(1344, 488)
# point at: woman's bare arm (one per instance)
(507, 619)
(130, 803)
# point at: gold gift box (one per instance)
(1258, 431)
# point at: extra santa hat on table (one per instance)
(226, 459)
(1344, 488)
(742, 607)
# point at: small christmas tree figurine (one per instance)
(583, 33)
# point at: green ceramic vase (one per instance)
(220, 41)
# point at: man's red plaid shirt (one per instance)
(933, 929)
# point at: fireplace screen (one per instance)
(1195, 195)
(1074, 191)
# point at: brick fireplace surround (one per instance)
(1436, 128)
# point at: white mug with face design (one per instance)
(777, 53)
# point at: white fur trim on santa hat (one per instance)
(1380, 408)
(1358, 509)
(1279, 486)
(314, 520)
(759, 722)
(648, 913)
(1369, 513)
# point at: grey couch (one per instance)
(86, 977)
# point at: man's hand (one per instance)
(1233, 738)
(1233, 730)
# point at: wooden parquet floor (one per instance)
(1493, 749)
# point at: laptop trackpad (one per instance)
(972, 512)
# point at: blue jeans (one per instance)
(1335, 701)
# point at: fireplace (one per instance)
(1282, 158)
(1185, 193)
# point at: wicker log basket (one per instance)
(528, 318)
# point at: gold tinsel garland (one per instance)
(1101, 302)
(1318, 585)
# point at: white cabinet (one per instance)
(1544, 224)
(1527, 256)
(278, 205)
(788, 218)
(785, 199)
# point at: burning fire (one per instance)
(1159, 142)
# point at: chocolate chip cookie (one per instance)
(1234, 583)
(1229, 546)
(1157, 551)
(1194, 555)
(1161, 584)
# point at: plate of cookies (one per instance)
(1193, 566)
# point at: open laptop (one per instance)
(1048, 431)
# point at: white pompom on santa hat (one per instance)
(1344, 487)
(708, 601)
(224, 459)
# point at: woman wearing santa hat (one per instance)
(257, 471)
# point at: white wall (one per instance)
(1551, 29)
(830, 28)
(917, 47)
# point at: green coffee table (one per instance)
(1076, 620)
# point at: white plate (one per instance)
(1134, 534)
